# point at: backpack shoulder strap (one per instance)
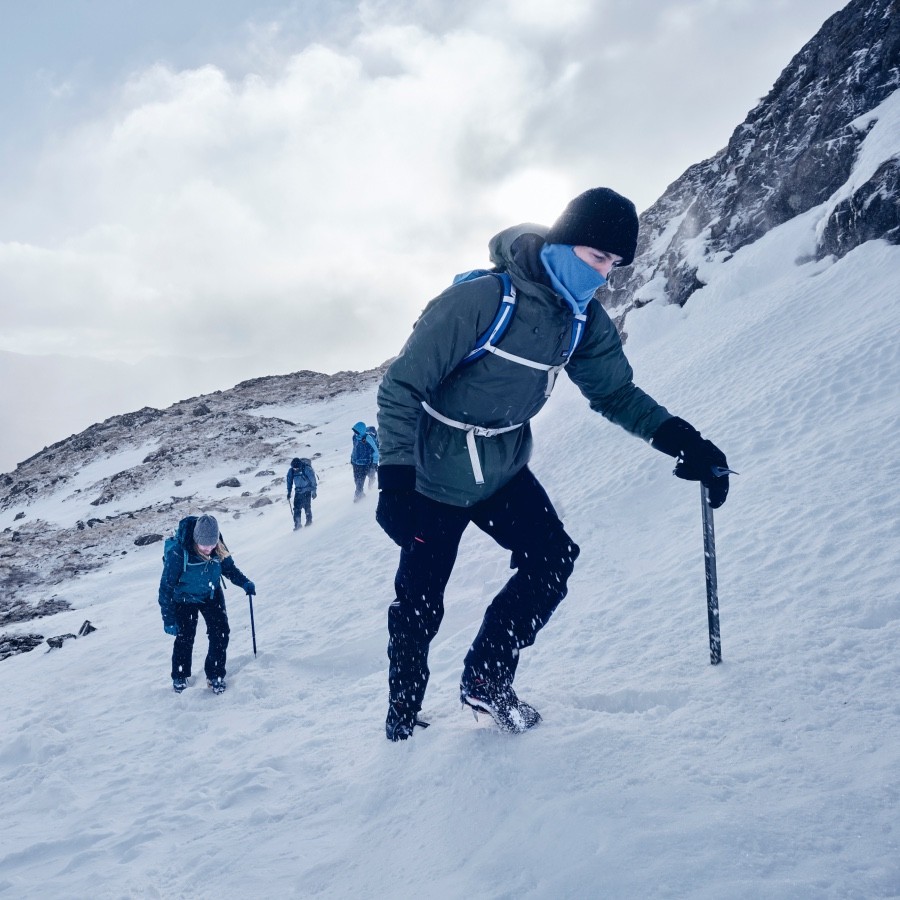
(502, 319)
(579, 323)
(170, 544)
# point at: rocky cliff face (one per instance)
(793, 151)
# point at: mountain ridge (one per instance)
(225, 430)
(793, 151)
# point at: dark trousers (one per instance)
(217, 630)
(520, 518)
(359, 479)
(302, 503)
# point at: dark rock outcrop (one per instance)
(795, 149)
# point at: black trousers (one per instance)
(217, 630)
(359, 479)
(521, 519)
(302, 503)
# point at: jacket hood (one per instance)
(360, 428)
(518, 251)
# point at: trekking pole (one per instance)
(712, 587)
(291, 508)
(252, 623)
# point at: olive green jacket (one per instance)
(493, 392)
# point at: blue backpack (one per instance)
(304, 479)
(174, 542)
(504, 317)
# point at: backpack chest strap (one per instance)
(578, 323)
(472, 431)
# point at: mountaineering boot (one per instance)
(401, 721)
(500, 702)
(217, 685)
(179, 684)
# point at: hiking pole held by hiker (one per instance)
(712, 587)
(709, 561)
(252, 623)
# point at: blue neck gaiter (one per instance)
(570, 276)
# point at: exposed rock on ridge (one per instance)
(793, 151)
(133, 452)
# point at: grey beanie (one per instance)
(206, 531)
(598, 218)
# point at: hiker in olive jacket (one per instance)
(455, 441)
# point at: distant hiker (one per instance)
(301, 479)
(453, 417)
(194, 561)
(363, 456)
(372, 431)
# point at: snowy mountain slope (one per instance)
(87, 498)
(776, 774)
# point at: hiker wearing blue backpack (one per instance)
(453, 418)
(301, 480)
(363, 457)
(372, 474)
(194, 562)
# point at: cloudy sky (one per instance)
(287, 183)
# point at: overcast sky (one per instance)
(289, 183)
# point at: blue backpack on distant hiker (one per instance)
(487, 342)
(365, 446)
(301, 477)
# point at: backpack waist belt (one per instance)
(472, 431)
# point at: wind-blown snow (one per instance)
(654, 774)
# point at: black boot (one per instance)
(401, 721)
(500, 702)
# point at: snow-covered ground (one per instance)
(654, 774)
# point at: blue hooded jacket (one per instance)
(189, 578)
(365, 448)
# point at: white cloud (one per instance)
(305, 210)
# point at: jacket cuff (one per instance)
(674, 436)
(397, 478)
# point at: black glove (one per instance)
(395, 512)
(250, 589)
(698, 459)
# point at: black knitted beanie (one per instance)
(598, 218)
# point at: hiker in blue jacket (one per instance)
(453, 421)
(363, 456)
(301, 479)
(194, 562)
